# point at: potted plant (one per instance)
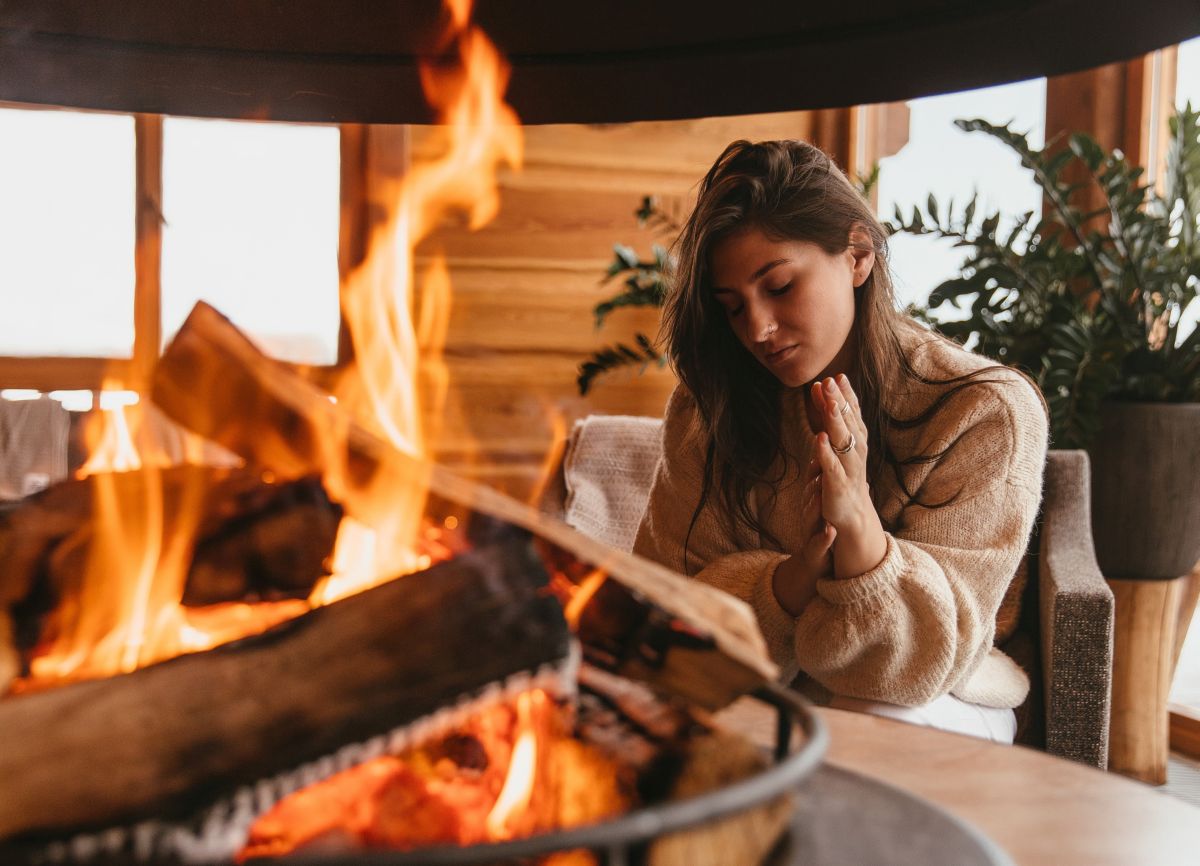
(643, 285)
(1096, 316)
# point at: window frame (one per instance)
(66, 373)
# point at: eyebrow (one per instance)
(759, 274)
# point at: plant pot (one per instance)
(1146, 490)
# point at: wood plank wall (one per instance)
(525, 285)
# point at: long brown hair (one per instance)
(787, 190)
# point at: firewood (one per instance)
(255, 540)
(170, 738)
(212, 379)
(714, 760)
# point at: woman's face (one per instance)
(790, 303)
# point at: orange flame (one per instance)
(124, 610)
(113, 449)
(525, 772)
(518, 785)
(127, 612)
(477, 134)
(581, 595)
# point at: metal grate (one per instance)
(615, 841)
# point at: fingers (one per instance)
(811, 499)
(830, 465)
(854, 417)
(837, 424)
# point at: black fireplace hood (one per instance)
(594, 62)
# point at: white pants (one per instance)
(946, 713)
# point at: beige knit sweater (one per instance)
(920, 624)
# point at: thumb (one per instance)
(819, 544)
(828, 536)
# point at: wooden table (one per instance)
(1039, 809)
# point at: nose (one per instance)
(760, 323)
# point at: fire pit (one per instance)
(374, 673)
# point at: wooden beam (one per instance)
(147, 296)
(67, 374)
(1122, 105)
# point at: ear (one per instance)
(862, 253)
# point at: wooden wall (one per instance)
(525, 285)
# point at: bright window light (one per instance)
(66, 233)
(251, 214)
(942, 159)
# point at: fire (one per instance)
(477, 133)
(580, 595)
(518, 785)
(113, 449)
(512, 769)
(127, 612)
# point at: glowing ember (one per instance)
(456, 790)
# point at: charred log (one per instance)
(701, 644)
(167, 739)
(254, 541)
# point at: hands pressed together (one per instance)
(844, 537)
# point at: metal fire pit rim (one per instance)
(616, 837)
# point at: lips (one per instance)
(779, 355)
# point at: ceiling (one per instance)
(600, 62)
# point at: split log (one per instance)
(684, 636)
(170, 738)
(254, 540)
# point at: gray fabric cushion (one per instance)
(1076, 617)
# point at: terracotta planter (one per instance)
(1146, 490)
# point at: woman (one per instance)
(866, 486)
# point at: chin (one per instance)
(796, 377)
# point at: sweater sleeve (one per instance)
(736, 565)
(922, 621)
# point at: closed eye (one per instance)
(782, 290)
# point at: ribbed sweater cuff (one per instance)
(880, 579)
(777, 625)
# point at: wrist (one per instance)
(860, 546)
(792, 587)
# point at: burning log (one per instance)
(253, 541)
(169, 738)
(683, 636)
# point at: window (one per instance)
(943, 160)
(66, 234)
(112, 226)
(250, 216)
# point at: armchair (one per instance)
(1064, 637)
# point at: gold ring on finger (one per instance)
(849, 446)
